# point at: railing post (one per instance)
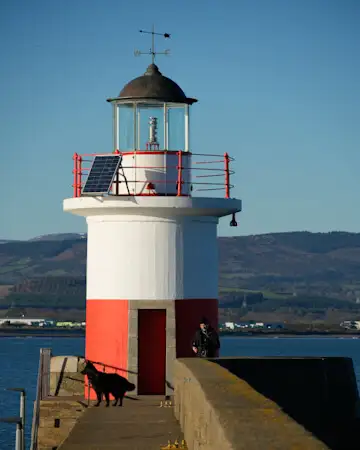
(227, 175)
(19, 434)
(117, 152)
(75, 159)
(179, 168)
(79, 174)
(22, 417)
(88, 391)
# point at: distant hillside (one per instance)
(59, 237)
(293, 263)
(21, 260)
(298, 275)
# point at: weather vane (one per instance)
(152, 51)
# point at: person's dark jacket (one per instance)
(207, 342)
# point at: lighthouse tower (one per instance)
(152, 206)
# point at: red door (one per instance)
(151, 351)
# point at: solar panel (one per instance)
(101, 174)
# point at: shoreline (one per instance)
(284, 334)
(293, 335)
(80, 333)
(41, 332)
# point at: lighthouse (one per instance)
(152, 205)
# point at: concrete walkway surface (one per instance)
(140, 424)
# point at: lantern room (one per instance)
(151, 113)
(151, 132)
(151, 136)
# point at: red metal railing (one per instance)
(227, 175)
(77, 174)
(199, 170)
(179, 171)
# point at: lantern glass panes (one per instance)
(176, 127)
(125, 122)
(150, 126)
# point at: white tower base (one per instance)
(152, 273)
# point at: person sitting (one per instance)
(206, 341)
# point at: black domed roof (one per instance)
(153, 86)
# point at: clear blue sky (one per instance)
(280, 78)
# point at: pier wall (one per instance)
(58, 417)
(60, 411)
(65, 376)
(251, 403)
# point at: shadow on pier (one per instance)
(319, 393)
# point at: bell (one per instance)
(233, 222)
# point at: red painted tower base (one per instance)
(108, 330)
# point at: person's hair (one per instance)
(204, 321)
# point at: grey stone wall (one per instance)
(218, 410)
(60, 411)
(65, 376)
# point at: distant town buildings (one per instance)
(229, 325)
(41, 322)
(250, 325)
(351, 324)
(28, 322)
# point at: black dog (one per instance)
(107, 383)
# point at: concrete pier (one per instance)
(227, 403)
(139, 425)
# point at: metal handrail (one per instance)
(79, 171)
(19, 421)
(19, 430)
(104, 365)
(42, 391)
